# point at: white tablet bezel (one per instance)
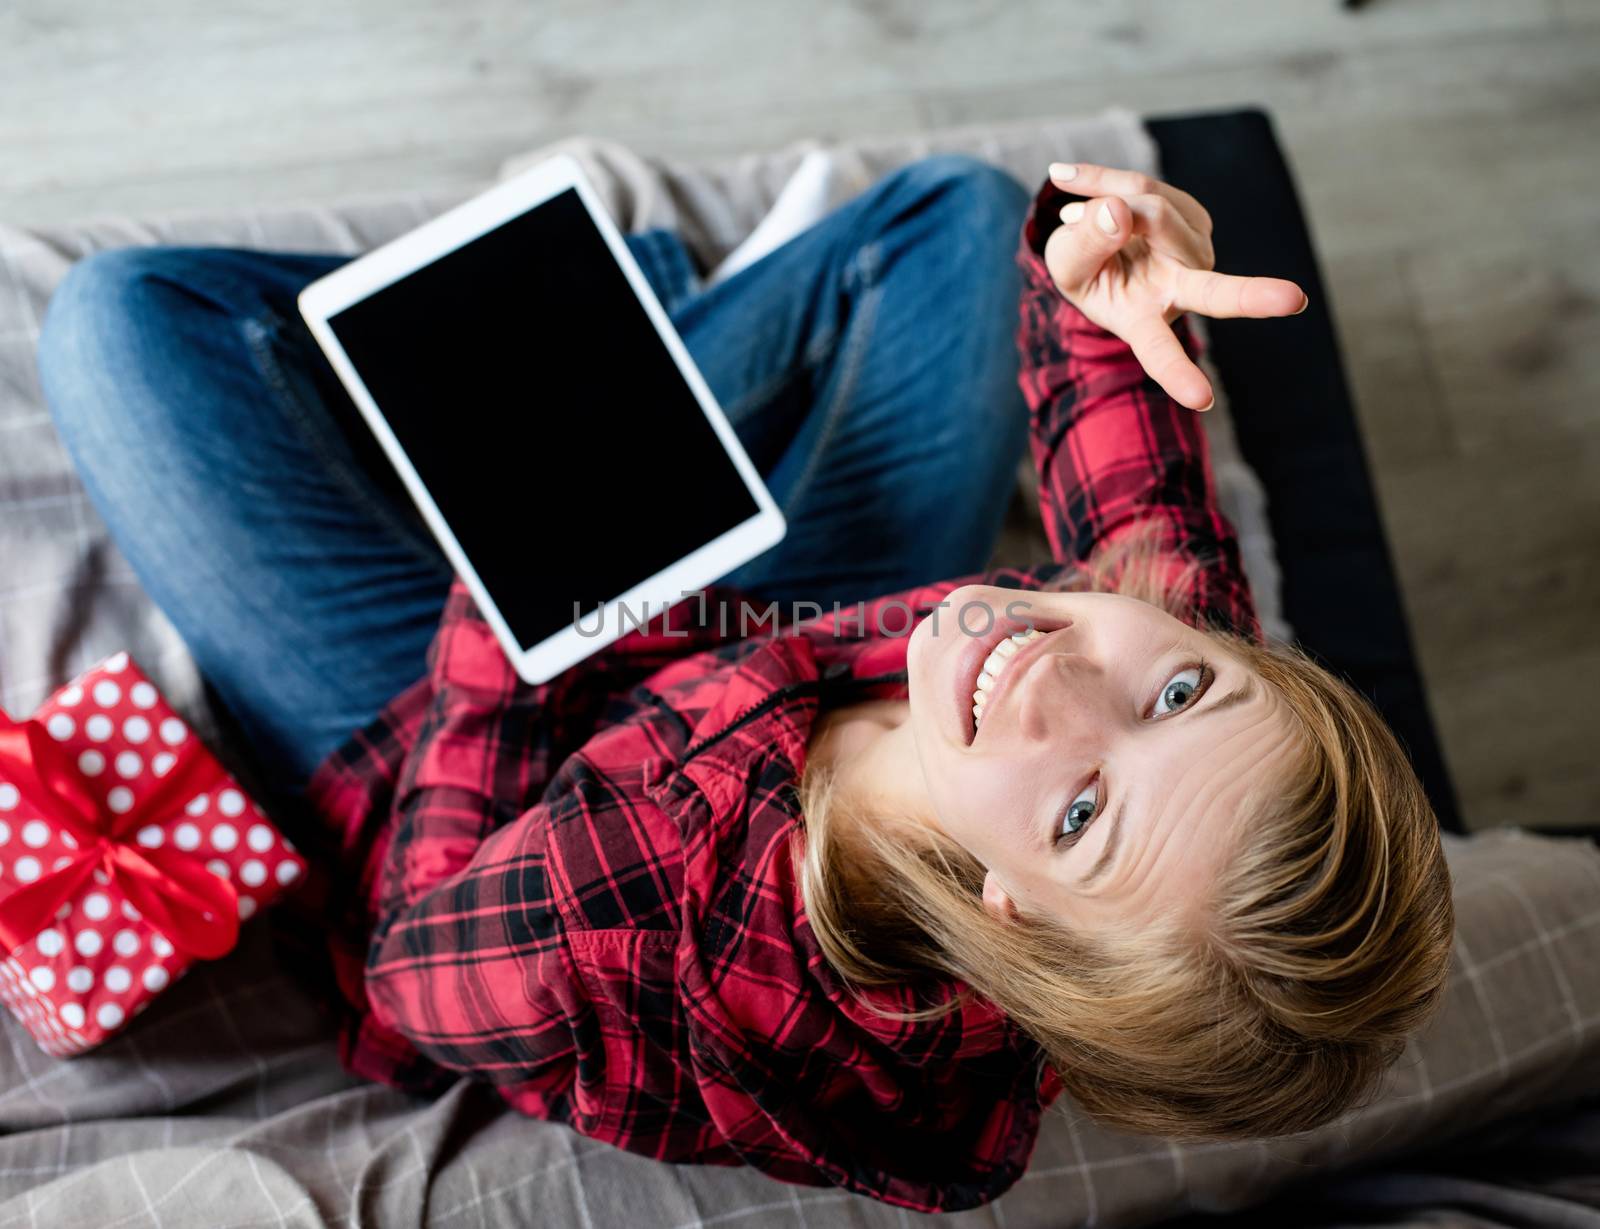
(350, 283)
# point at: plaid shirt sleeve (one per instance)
(421, 798)
(448, 944)
(1114, 452)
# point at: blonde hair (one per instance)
(1325, 945)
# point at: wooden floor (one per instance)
(1448, 151)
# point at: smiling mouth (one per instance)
(985, 663)
(993, 666)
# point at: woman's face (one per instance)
(1106, 775)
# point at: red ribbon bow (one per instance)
(196, 910)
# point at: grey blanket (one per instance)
(225, 1105)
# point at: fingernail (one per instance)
(1303, 305)
(1072, 213)
(1062, 170)
(1208, 405)
(1106, 220)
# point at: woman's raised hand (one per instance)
(1137, 255)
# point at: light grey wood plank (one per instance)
(1499, 567)
(186, 92)
(1536, 768)
(1512, 326)
(1390, 146)
(1568, 13)
(1396, 389)
(1376, 185)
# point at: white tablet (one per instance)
(544, 415)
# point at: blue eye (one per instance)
(1079, 812)
(1181, 690)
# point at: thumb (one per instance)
(1091, 232)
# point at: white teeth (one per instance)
(993, 664)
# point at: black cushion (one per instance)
(1297, 428)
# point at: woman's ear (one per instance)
(997, 900)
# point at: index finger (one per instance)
(1088, 179)
(1223, 296)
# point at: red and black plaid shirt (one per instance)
(583, 892)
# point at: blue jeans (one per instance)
(868, 366)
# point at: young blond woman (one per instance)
(850, 896)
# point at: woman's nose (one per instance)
(1063, 698)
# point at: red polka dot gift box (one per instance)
(127, 853)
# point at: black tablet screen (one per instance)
(545, 416)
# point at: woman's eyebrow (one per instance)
(1241, 694)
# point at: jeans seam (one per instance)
(259, 332)
(862, 269)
